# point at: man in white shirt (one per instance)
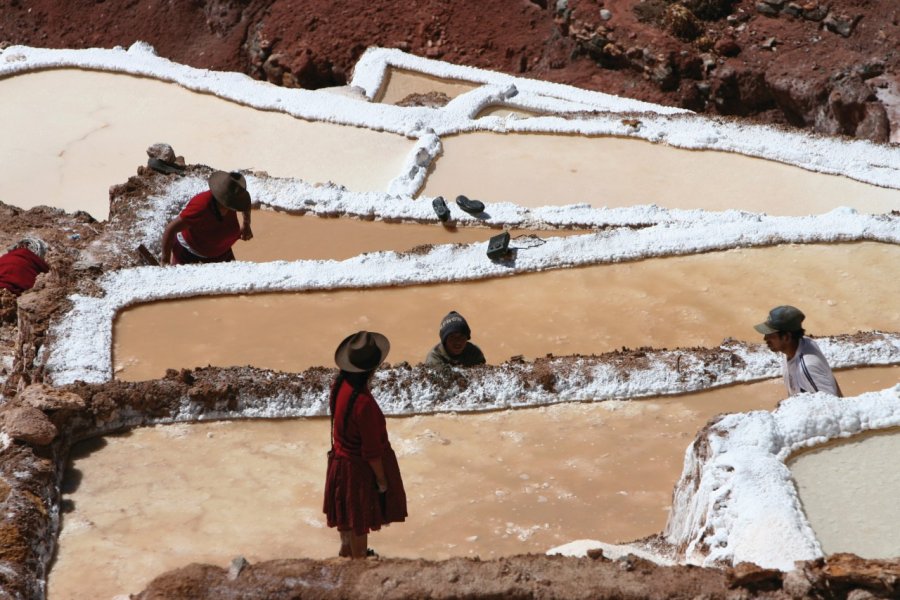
(805, 368)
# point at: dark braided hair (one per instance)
(215, 209)
(358, 381)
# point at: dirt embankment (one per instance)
(826, 65)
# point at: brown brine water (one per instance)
(849, 490)
(400, 83)
(97, 132)
(663, 303)
(551, 169)
(488, 485)
(282, 236)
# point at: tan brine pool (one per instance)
(668, 302)
(400, 83)
(487, 485)
(850, 490)
(282, 236)
(96, 134)
(550, 169)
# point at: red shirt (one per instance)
(206, 234)
(365, 434)
(19, 269)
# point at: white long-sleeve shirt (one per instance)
(808, 371)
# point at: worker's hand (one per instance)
(382, 486)
(246, 232)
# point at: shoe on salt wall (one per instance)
(440, 208)
(473, 207)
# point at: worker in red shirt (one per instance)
(21, 265)
(207, 227)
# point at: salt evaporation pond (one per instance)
(670, 302)
(850, 490)
(543, 169)
(281, 236)
(487, 485)
(96, 133)
(400, 83)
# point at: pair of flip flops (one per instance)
(473, 207)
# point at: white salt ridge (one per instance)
(861, 160)
(739, 502)
(610, 551)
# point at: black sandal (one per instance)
(440, 208)
(473, 207)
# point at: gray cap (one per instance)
(782, 318)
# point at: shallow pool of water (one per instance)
(400, 83)
(96, 134)
(850, 490)
(281, 236)
(490, 484)
(549, 169)
(487, 485)
(663, 303)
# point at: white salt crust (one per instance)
(738, 503)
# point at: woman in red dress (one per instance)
(363, 487)
(207, 227)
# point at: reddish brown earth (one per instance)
(809, 63)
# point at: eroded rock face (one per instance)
(29, 425)
(777, 61)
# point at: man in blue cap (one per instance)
(805, 369)
(455, 348)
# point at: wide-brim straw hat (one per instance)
(363, 351)
(230, 189)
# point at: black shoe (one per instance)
(473, 207)
(440, 208)
(162, 166)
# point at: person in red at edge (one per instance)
(363, 487)
(21, 265)
(207, 227)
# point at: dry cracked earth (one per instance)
(821, 65)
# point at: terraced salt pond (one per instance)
(490, 485)
(103, 123)
(281, 236)
(96, 133)
(400, 83)
(547, 169)
(849, 490)
(669, 302)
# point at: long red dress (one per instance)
(352, 501)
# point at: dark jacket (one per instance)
(470, 356)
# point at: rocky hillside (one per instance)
(826, 65)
